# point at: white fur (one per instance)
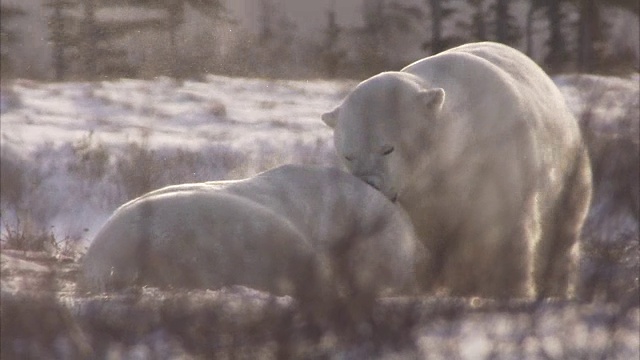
(284, 231)
(488, 162)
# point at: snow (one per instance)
(615, 97)
(76, 149)
(215, 128)
(179, 114)
(47, 127)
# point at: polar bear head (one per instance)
(379, 128)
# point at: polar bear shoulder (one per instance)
(477, 73)
(189, 237)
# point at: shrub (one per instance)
(90, 160)
(611, 235)
(138, 172)
(12, 179)
(26, 236)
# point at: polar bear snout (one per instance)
(377, 182)
(374, 181)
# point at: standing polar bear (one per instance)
(291, 230)
(478, 146)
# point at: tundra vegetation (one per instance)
(56, 194)
(135, 108)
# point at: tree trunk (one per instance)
(436, 26)
(176, 17)
(587, 35)
(502, 21)
(89, 45)
(529, 29)
(266, 21)
(479, 25)
(57, 34)
(557, 45)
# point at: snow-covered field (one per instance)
(73, 152)
(88, 147)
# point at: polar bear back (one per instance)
(324, 202)
(475, 75)
(341, 216)
(498, 99)
(193, 237)
(277, 231)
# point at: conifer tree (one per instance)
(590, 35)
(534, 7)
(505, 29)
(331, 54)
(439, 11)
(382, 20)
(267, 14)
(475, 28)
(558, 54)
(98, 41)
(7, 37)
(592, 29)
(63, 34)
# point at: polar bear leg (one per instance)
(495, 266)
(557, 255)
(490, 253)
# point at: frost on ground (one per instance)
(73, 152)
(42, 317)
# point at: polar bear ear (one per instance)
(432, 98)
(331, 118)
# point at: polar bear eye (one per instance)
(349, 157)
(387, 149)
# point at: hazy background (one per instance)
(87, 39)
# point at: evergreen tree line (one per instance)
(86, 46)
(7, 38)
(573, 43)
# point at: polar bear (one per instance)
(292, 230)
(478, 146)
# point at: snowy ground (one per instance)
(241, 323)
(78, 150)
(80, 139)
(73, 152)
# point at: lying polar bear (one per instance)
(478, 146)
(287, 230)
